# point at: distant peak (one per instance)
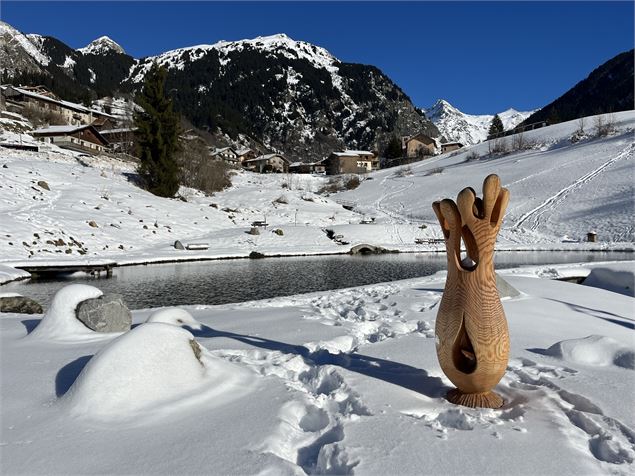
(101, 45)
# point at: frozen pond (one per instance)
(219, 282)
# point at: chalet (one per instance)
(450, 146)
(80, 138)
(351, 162)
(120, 139)
(268, 163)
(307, 167)
(245, 154)
(418, 145)
(226, 154)
(43, 101)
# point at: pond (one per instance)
(219, 282)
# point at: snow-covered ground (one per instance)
(344, 382)
(560, 191)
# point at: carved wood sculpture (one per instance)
(471, 329)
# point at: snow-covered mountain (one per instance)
(101, 45)
(469, 129)
(279, 93)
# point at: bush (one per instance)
(198, 171)
(352, 182)
(604, 125)
(472, 156)
(42, 117)
(404, 171)
(435, 171)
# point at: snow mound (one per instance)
(618, 281)
(59, 322)
(176, 317)
(594, 350)
(151, 370)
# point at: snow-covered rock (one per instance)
(594, 350)
(175, 316)
(155, 367)
(620, 280)
(469, 129)
(60, 322)
(107, 313)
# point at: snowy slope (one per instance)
(559, 190)
(345, 382)
(469, 129)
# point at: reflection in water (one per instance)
(219, 282)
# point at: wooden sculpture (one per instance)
(471, 329)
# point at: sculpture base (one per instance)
(475, 400)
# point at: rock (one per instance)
(254, 231)
(505, 290)
(92, 223)
(278, 232)
(20, 305)
(107, 313)
(44, 185)
(256, 255)
(178, 245)
(366, 249)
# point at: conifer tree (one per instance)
(496, 126)
(157, 135)
(393, 149)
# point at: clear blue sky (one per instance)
(483, 57)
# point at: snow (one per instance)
(593, 351)
(340, 382)
(59, 323)
(469, 129)
(620, 280)
(152, 370)
(9, 273)
(176, 317)
(24, 42)
(101, 45)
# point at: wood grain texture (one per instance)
(471, 328)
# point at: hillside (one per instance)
(609, 88)
(560, 191)
(281, 94)
(469, 129)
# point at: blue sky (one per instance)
(483, 57)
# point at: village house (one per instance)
(84, 138)
(17, 99)
(245, 154)
(120, 139)
(308, 167)
(226, 154)
(418, 146)
(450, 146)
(351, 162)
(268, 163)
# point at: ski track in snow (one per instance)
(534, 216)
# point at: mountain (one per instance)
(609, 88)
(292, 95)
(469, 129)
(289, 96)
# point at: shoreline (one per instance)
(21, 275)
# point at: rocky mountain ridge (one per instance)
(290, 96)
(469, 129)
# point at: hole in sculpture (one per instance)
(468, 257)
(463, 354)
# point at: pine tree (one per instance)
(393, 149)
(496, 126)
(157, 135)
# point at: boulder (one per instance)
(44, 185)
(254, 231)
(20, 305)
(107, 313)
(256, 255)
(505, 290)
(178, 245)
(278, 232)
